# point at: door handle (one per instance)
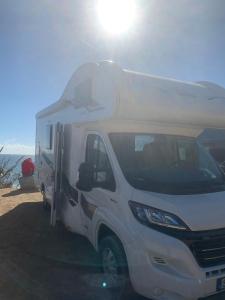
(113, 200)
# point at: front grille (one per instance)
(209, 252)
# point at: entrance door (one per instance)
(58, 159)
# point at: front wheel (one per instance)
(114, 265)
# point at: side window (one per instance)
(97, 156)
(187, 152)
(142, 140)
(49, 137)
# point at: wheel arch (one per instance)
(103, 231)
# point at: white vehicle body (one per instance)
(101, 99)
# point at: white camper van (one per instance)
(119, 162)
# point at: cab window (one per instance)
(97, 156)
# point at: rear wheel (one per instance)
(45, 203)
(114, 265)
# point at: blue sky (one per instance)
(42, 43)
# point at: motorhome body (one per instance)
(152, 195)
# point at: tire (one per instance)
(114, 266)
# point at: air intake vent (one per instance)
(159, 260)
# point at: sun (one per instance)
(116, 16)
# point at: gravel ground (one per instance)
(41, 262)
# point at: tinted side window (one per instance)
(97, 156)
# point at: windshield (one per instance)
(166, 163)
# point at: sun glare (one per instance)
(116, 16)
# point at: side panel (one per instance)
(45, 165)
(44, 155)
(58, 168)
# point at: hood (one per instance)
(199, 212)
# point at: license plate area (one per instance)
(220, 285)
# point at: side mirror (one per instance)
(85, 181)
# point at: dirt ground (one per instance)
(41, 262)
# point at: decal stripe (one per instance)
(70, 192)
(88, 208)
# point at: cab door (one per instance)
(102, 195)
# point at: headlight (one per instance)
(153, 216)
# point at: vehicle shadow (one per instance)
(19, 192)
(41, 262)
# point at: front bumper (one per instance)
(163, 267)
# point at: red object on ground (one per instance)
(28, 167)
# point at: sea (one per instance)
(12, 160)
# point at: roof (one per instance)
(105, 90)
